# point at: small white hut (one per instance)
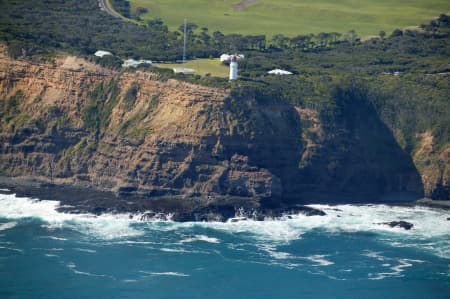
(101, 53)
(184, 70)
(279, 72)
(135, 63)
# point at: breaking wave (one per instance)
(431, 230)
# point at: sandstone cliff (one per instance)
(73, 122)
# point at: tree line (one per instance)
(79, 26)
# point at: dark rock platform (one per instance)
(181, 208)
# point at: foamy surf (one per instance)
(320, 260)
(394, 270)
(431, 230)
(105, 226)
(73, 268)
(201, 238)
(8, 225)
(176, 274)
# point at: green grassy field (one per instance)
(201, 67)
(292, 17)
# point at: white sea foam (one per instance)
(201, 238)
(6, 243)
(271, 249)
(429, 224)
(177, 250)
(165, 274)
(396, 271)
(106, 226)
(431, 230)
(374, 254)
(85, 250)
(8, 225)
(55, 238)
(427, 221)
(12, 249)
(320, 260)
(129, 280)
(396, 266)
(181, 250)
(135, 242)
(4, 190)
(73, 268)
(87, 273)
(281, 231)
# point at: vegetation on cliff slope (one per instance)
(403, 76)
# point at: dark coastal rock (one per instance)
(276, 213)
(220, 213)
(223, 213)
(151, 216)
(126, 190)
(403, 224)
(307, 211)
(181, 209)
(99, 210)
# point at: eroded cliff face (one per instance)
(73, 122)
(434, 165)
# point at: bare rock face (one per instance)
(75, 123)
(72, 122)
(434, 166)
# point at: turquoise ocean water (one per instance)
(348, 253)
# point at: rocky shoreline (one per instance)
(77, 199)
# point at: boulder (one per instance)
(403, 224)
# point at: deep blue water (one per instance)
(346, 254)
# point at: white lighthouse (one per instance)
(233, 67)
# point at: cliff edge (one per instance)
(73, 122)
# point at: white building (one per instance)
(227, 57)
(279, 72)
(135, 63)
(184, 71)
(101, 53)
(233, 68)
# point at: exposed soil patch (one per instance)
(426, 144)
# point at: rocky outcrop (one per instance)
(72, 122)
(401, 224)
(434, 166)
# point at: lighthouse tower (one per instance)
(233, 67)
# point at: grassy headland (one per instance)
(202, 67)
(403, 74)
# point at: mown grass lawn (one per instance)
(201, 67)
(292, 17)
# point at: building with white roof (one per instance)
(227, 57)
(183, 70)
(135, 63)
(279, 72)
(101, 53)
